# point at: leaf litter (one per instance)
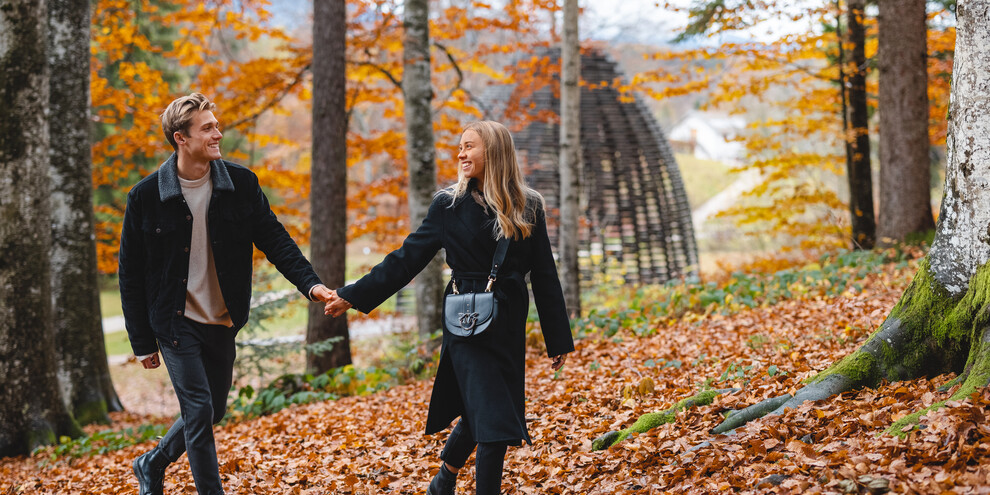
(375, 444)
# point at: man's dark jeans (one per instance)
(201, 367)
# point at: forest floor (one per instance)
(375, 443)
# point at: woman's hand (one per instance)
(558, 362)
(336, 306)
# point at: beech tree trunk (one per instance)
(328, 178)
(84, 374)
(941, 324)
(570, 159)
(905, 176)
(418, 90)
(858, 139)
(32, 412)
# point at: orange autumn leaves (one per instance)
(787, 83)
(147, 52)
(374, 444)
(144, 54)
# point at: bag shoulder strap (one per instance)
(500, 250)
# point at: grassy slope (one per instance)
(703, 178)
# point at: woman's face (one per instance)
(471, 155)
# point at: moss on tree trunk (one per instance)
(31, 408)
(928, 333)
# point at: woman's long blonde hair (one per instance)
(504, 191)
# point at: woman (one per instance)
(481, 378)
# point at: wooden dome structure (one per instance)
(636, 221)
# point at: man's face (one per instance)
(203, 139)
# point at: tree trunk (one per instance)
(80, 349)
(858, 139)
(31, 409)
(418, 90)
(941, 324)
(328, 176)
(570, 158)
(905, 177)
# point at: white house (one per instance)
(708, 136)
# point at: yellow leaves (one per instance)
(460, 105)
(646, 386)
(471, 64)
(187, 54)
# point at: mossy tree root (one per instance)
(928, 333)
(976, 375)
(758, 410)
(649, 421)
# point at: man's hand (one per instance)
(151, 362)
(321, 293)
(558, 362)
(336, 306)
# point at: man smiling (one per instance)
(185, 269)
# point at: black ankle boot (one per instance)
(150, 471)
(443, 483)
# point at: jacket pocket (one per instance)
(159, 235)
(159, 243)
(236, 224)
(157, 228)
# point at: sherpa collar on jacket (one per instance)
(168, 178)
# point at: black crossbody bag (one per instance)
(471, 313)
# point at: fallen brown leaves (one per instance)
(374, 444)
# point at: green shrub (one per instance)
(644, 309)
(103, 441)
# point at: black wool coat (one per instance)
(481, 378)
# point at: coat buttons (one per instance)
(178, 313)
(158, 231)
(188, 217)
(186, 249)
(183, 281)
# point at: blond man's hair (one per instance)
(506, 193)
(179, 114)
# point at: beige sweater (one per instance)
(204, 301)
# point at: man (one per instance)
(185, 280)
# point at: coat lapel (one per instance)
(471, 216)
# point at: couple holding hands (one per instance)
(185, 268)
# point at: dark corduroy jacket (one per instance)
(154, 249)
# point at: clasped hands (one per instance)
(335, 305)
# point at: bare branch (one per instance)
(381, 69)
(460, 79)
(274, 101)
